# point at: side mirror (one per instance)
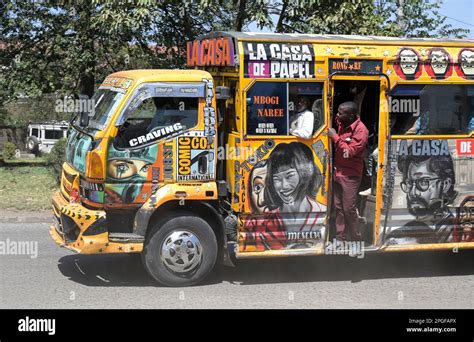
(84, 119)
(222, 93)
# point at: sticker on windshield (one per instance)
(160, 133)
(117, 82)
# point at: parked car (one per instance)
(43, 136)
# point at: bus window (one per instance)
(306, 96)
(432, 109)
(275, 108)
(157, 114)
(267, 109)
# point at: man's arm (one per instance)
(356, 146)
(304, 125)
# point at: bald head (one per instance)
(347, 112)
(350, 107)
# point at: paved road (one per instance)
(59, 279)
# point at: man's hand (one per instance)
(331, 132)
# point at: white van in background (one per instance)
(43, 136)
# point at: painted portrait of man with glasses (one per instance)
(428, 182)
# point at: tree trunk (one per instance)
(87, 77)
(279, 26)
(241, 15)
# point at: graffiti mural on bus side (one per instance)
(127, 170)
(282, 190)
(429, 211)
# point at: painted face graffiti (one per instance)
(258, 178)
(131, 168)
(286, 184)
(439, 61)
(428, 176)
(424, 189)
(466, 59)
(292, 176)
(408, 61)
(283, 189)
(465, 218)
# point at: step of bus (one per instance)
(126, 238)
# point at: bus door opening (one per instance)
(366, 95)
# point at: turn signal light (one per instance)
(95, 167)
(74, 196)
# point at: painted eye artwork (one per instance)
(143, 171)
(120, 169)
(258, 188)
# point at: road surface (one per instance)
(58, 278)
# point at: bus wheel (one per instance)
(181, 251)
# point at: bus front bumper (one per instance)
(83, 230)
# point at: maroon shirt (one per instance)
(350, 144)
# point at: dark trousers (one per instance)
(345, 191)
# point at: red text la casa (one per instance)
(214, 51)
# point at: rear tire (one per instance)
(32, 145)
(180, 250)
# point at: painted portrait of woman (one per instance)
(282, 191)
(292, 183)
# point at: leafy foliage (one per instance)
(9, 150)
(56, 158)
(67, 47)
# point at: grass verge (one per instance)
(26, 187)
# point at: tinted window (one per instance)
(55, 135)
(34, 132)
(432, 109)
(276, 108)
(160, 116)
(313, 93)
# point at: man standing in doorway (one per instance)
(350, 142)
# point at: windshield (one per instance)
(105, 102)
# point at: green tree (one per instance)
(365, 17)
(68, 47)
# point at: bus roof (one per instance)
(315, 38)
(162, 75)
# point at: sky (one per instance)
(460, 14)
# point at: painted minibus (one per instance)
(204, 165)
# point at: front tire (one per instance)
(180, 251)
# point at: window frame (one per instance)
(121, 118)
(429, 136)
(288, 82)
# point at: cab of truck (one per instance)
(140, 174)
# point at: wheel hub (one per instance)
(181, 251)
